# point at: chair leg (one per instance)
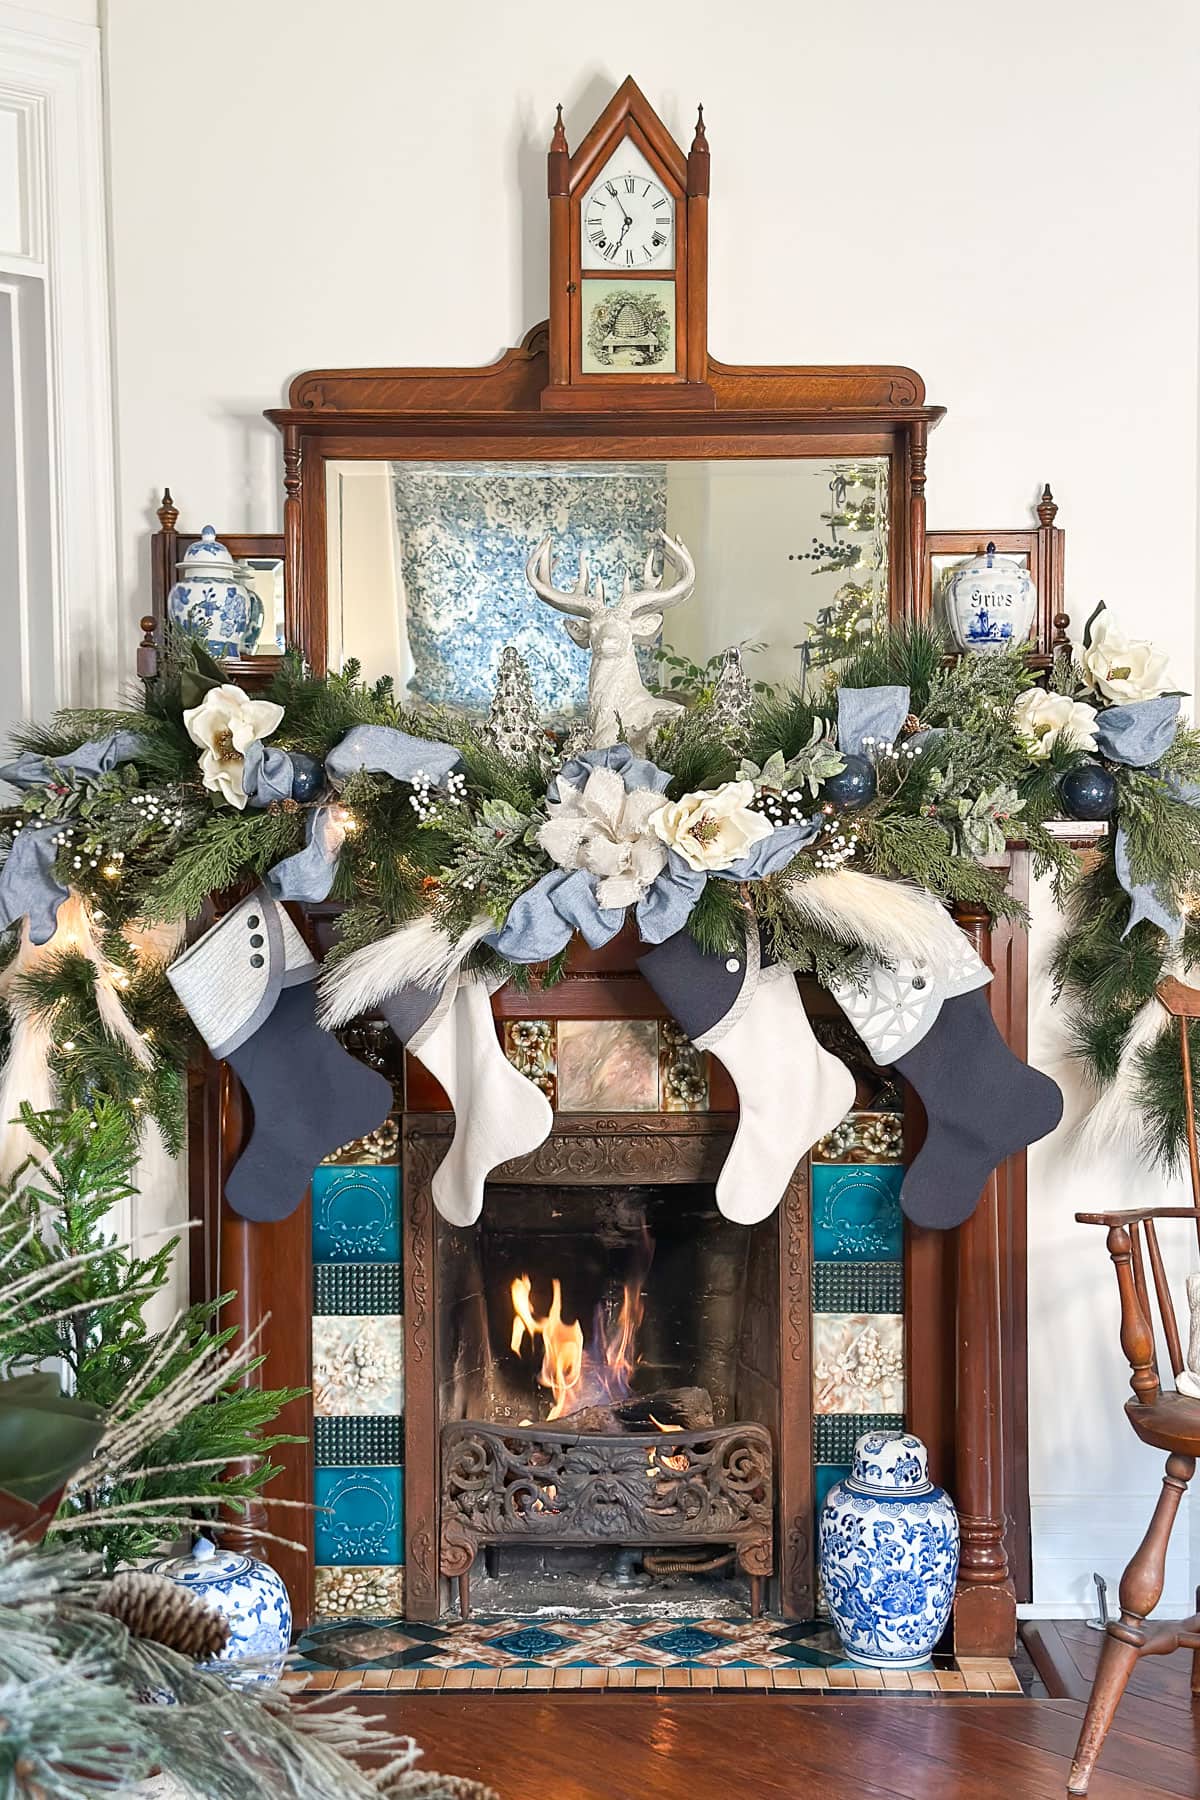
(1115, 1667)
(1196, 1654)
(1141, 1590)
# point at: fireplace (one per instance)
(605, 1369)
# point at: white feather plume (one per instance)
(419, 954)
(1116, 1119)
(26, 1074)
(894, 919)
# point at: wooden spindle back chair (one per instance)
(1161, 1416)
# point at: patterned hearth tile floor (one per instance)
(495, 1651)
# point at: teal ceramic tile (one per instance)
(358, 1288)
(835, 1434)
(356, 1214)
(824, 1476)
(858, 1287)
(365, 1520)
(856, 1212)
(350, 1443)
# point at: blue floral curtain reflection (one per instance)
(463, 535)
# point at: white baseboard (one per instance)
(1075, 1535)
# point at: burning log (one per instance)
(667, 1409)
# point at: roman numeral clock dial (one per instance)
(628, 223)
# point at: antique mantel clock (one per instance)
(628, 260)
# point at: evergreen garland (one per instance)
(148, 843)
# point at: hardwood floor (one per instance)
(619, 1746)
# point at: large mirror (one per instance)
(426, 565)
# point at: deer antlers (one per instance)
(586, 598)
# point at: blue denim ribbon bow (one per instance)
(1138, 735)
(28, 884)
(541, 920)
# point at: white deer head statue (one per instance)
(618, 703)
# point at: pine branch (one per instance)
(230, 850)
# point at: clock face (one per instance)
(628, 222)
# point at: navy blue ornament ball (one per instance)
(854, 787)
(308, 776)
(1088, 792)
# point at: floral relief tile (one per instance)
(379, 1146)
(531, 1045)
(858, 1362)
(358, 1364)
(361, 1520)
(873, 1137)
(682, 1070)
(856, 1212)
(359, 1593)
(608, 1065)
(356, 1214)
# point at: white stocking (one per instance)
(790, 1093)
(498, 1112)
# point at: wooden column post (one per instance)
(698, 179)
(985, 1604)
(918, 444)
(558, 188)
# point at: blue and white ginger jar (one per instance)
(211, 599)
(250, 1595)
(888, 1553)
(990, 602)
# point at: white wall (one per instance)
(1004, 198)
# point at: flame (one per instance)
(573, 1373)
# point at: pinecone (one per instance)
(151, 1606)
(733, 700)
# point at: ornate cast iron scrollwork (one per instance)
(504, 1482)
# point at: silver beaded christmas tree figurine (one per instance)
(733, 700)
(513, 722)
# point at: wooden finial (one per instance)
(558, 162)
(698, 158)
(1047, 506)
(168, 512)
(147, 651)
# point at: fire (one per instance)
(576, 1373)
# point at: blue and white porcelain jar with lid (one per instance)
(888, 1553)
(250, 1595)
(212, 600)
(990, 602)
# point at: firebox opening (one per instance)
(587, 1298)
(609, 1313)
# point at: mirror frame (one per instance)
(496, 413)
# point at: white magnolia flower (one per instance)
(1121, 668)
(225, 724)
(1043, 719)
(712, 830)
(607, 831)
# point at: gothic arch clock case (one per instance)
(621, 373)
